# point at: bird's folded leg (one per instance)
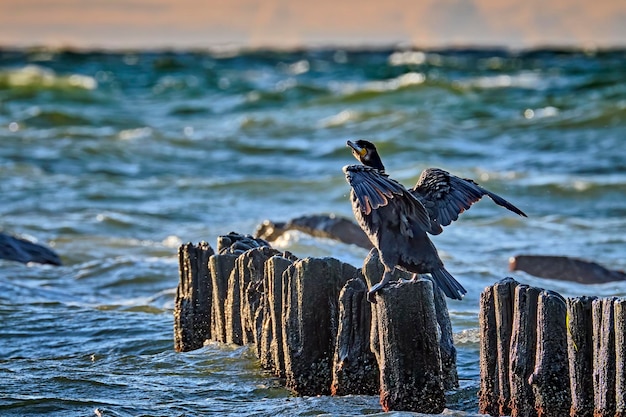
(371, 294)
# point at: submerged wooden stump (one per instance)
(192, 313)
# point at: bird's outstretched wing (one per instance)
(373, 189)
(445, 196)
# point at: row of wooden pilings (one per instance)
(310, 323)
(544, 355)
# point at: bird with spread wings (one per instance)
(397, 220)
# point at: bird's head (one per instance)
(366, 153)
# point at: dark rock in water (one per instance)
(322, 225)
(21, 250)
(565, 268)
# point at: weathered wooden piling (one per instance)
(192, 313)
(220, 267)
(580, 353)
(269, 315)
(409, 353)
(604, 357)
(549, 379)
(232, 306)
(354, 366)
(311, 324)
(504, 293)
(619, 306)
(522, 351)
(411, 377)
(311, 313)
(274, 269)
(488, 391)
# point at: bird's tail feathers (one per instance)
(450, 286)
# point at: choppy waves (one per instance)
(115, 158)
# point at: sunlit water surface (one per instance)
(115, 159)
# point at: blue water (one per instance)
(115, 159)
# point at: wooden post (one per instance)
(355, 370)
(619, 306)
(252, 292)
(446, 341)
(192, 313)
(411, 377)
(504, 292)
(270, 341)
(220, 266)
(580, 353)
(522, 354)
(488, 392)
(550, 380)
(310, 316)
(274, 269)
(604, 357)
(232, 305)
(373, 271)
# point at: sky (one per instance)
(293, 23)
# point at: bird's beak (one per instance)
(356, 148)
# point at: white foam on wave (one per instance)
(526, 79)
(35, 75)
(392, 84)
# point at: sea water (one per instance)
(114, 159)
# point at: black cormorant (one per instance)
(397, 220)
